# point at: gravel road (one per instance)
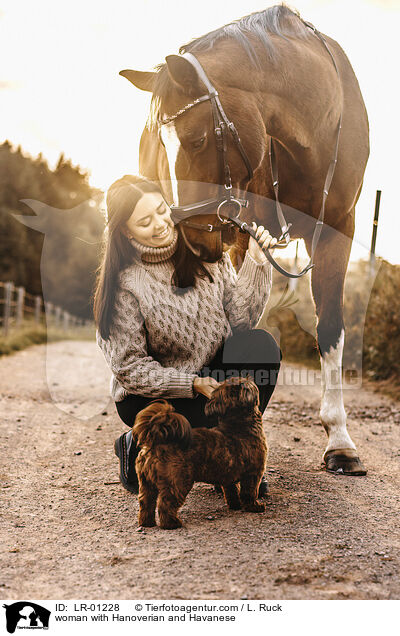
(69, 530)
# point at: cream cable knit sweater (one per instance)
(159, 341)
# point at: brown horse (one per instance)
(275, 79)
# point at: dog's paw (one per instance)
(170, 524)
(232, 498)
(234, 505)
(147, 522)
(255, 506)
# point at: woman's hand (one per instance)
(264, 240)
(205, 386)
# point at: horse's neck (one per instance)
(301, 104)
(298, 94)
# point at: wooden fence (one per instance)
(16, 305)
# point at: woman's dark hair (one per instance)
(118, 252)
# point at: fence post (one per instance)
(372, 259)
(66, 320)
(38, 306)
(61, 317)
(48, 309)
(8, 289)
(20, 305)
(58, 316)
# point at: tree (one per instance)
(76, 239)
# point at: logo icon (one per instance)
(26, 615)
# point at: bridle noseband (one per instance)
(222, 128)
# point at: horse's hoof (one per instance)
(344, 461)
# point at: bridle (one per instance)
(222, 128)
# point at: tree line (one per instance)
(72, 231)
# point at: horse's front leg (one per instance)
(328, 275)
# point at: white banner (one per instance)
(177, 616)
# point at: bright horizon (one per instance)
(61, 93)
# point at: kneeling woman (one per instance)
(171, 325)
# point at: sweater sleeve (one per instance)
(246, 293)
(125, 352)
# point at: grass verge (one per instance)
(32, 334)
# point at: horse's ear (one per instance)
(183, 73)
(141, 79)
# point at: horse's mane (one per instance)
(277, 20)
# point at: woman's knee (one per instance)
(130, 406)
(253, 346)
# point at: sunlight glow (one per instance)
(60, 89)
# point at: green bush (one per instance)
(371, 317)
(382, 326)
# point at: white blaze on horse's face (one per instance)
(172, 146)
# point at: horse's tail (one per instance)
(159, 423)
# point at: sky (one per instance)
(60, 90)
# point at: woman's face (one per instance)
(150, 223)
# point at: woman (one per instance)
(171, 325)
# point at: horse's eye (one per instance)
(199, 142)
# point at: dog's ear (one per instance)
(218, 404)
(249, 392)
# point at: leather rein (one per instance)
(222, 128)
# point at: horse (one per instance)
(287, 87)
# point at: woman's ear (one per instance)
(126, 232)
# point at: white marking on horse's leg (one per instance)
(332, 413)
(172, 146)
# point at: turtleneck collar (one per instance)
(155, 254)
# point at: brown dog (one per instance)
(173, 455)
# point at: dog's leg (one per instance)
(249, 492)
(231, 494)
(168, 505)
(147, 502)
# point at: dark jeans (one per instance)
(254, 351)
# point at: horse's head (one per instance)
(183, 150)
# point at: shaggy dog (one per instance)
(173, 455)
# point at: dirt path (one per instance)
(67, 532)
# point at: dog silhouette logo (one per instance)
(26, 615)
